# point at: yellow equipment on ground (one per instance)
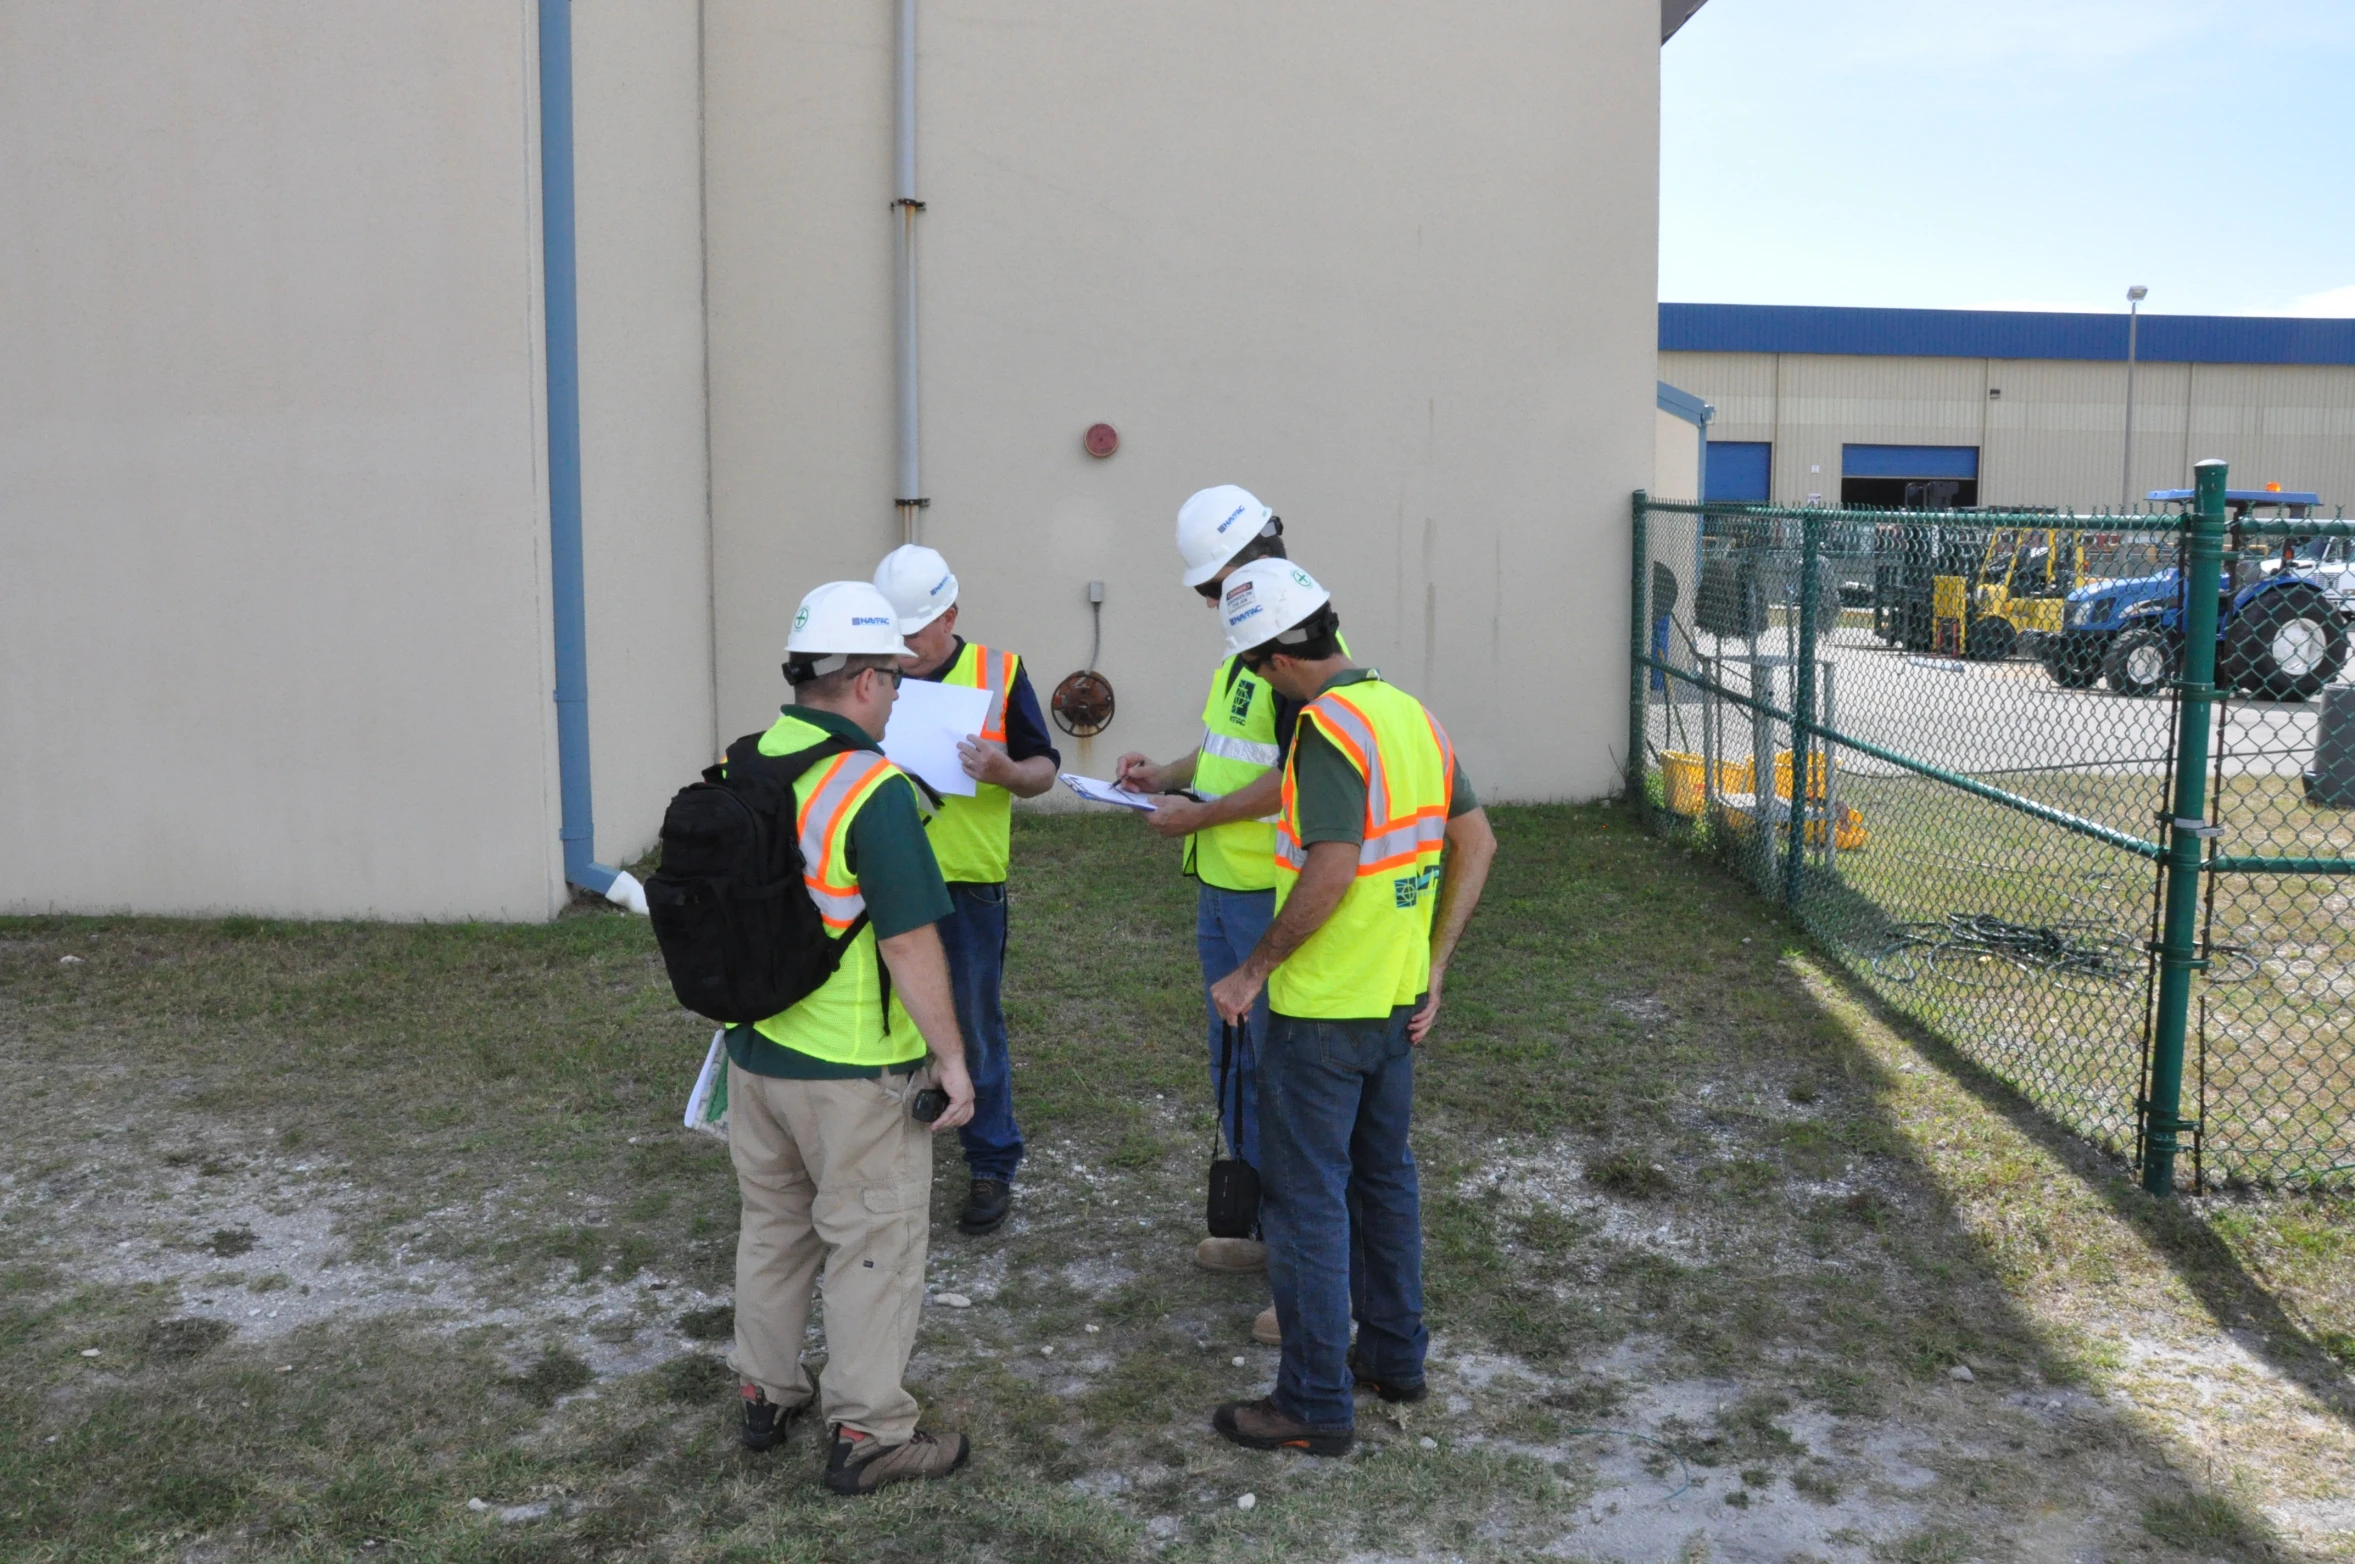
(1737, 804)
(2022, 585)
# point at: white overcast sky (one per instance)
(2020, 154)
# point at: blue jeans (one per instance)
(974, 935)
(1226, 925)
(1341, 1208)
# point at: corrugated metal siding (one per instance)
(2054, 437)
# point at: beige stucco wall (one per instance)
(273, 627)
(1390, 271)
(638, 174)
(1676, 458)
(2055, 434)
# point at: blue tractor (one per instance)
(2278, 635)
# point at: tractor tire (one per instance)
(2074, 661)
(2286, 645)
(1989, 640)
(2140, 662)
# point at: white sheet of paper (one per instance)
(1096, 792)
(707, 1104)
(928, 721)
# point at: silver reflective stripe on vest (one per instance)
(1212, 798)
(1358, 733)
(1410, 838)
(1291, 852)
(836, 907)
(1226, 746)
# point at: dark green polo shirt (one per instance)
(900, 880)
(1330, 801)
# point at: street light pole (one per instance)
(2134, 297)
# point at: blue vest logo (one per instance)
(1410, 890)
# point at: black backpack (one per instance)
(740, 936)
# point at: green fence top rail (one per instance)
(2335, 527)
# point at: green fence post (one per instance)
(2203, 567)
(1638, 638)
(1802, 716)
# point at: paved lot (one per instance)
(1993, 719)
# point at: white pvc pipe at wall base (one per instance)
(625, 891)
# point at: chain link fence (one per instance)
(2096, 830)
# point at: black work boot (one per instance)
(1257, 1425)
(986, 1205)
(765, 1422)
(1387, 1389)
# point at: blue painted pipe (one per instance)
(579, 828)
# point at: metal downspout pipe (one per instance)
(578, 829)
(910, 497)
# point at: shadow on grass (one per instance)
(2234, 1299)
(1622, 1052)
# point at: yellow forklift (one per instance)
(2014, 600)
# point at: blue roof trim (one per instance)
(1683, 404)
(2163, 339)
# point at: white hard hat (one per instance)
(919, 583)
(1214, 525)
(844, 618)
(1265, 599)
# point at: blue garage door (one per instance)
(1909, 461)
(1739, 470)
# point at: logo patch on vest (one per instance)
(1410, 889)
(1240, 707)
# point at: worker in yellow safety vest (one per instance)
(834, 1169)
(1373, 808)
(1009, 758)
(1225, 814)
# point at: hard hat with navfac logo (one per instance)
(1213, 526)
(919, 583)
(848, 617)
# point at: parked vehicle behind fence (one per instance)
(2279, 634)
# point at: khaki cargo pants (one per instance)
(835, 1174)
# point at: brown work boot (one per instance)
(1233, 1255)
(1257, 1425)
(861, 1463)
(1265, 1330)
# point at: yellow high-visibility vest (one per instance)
(973, 837)
(1238, 747)
(844, 1020)
(1374, 953)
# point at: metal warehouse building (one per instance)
(371, 549)
(1859, 406)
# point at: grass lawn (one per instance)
(378, 1242)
